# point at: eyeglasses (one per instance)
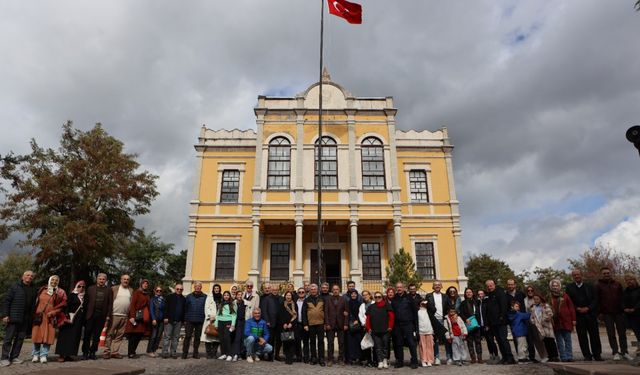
(300, 292)
(378, 297)
(249, 286)
(179, 289)
(80, 286)
(158, 291)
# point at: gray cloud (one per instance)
(536, 95)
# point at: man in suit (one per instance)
(438, 305)
(98, 299)
(585, 299)
(497, 310)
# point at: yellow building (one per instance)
(255, 203)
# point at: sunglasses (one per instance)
(378, 297)
(158, 291)
(179, 289)
(80, 286)
(249, 286)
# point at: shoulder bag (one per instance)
(287, 336)
(37, 317)
(211, 329)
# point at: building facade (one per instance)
(254, 210)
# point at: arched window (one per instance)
(372, 164)
(329, 163)
(279, 170)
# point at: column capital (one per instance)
(353, 222)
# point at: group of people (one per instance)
(367, 325)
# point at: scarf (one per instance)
(354, 305)
(77, 291)
(216, 296)
(142, 290)
(50, 288)
(291, 310)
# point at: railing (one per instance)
(370, 285)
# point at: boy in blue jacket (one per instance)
(519, 322)
(256, 332)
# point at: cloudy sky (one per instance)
(537, 96)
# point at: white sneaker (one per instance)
(544, 360)
(449, 361)
(43, 359)
(222, 357)
(229, 358)
(429, 365)
(424, 364)
(17, 361)
(629, 357)
(235, 358)
(6, 362)
(35, 359)
(385, 363)
(249, 359)
(380, 365)
(437, 362)
(257, 358)
(617, 357)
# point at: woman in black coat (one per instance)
(469, 307)
(287, 320)
(69, 334)
(355, 330)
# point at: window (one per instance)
(329, 163)
(425, 260)
(279, 170)
(279, 261)
(225, 261)
(230, 186)
(418, 186)
(371, 268)
(372, 164)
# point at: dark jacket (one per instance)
(631, 298)
(285, 317)
(519, 323)
(405, 310)
(609, 296)
(432, 303)
(139, 301)
(470, 307)
(334, 310)
(156, 308)
(241, 310)
(194, 307)
(590, 299)
(519, 296)
(175, 308)
(380, 317)
(270, 306)
(416, 299)
(497, 308)
(90, 297)
(19, 303)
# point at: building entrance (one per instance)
(331, 266)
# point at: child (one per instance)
(520, 329)
(425, 329)
(456, 334)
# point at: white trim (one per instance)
(289, 137)
(433, 238)
(376, 135)
(325, 134)
(232, 238)
(426, 167)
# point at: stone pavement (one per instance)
(203, 366)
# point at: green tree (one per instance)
(401, 268)
(541, 277)
(483, 267)
(592, 260)
(145, 256)
(75, 204)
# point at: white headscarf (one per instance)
(79, 292)
(50, 288)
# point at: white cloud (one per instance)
(624, 237)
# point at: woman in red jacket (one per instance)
(564, 319)
(139, 323)
(379, 323)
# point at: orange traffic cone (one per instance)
(103, 335)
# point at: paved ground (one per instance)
(158, 366)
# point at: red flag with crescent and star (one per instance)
(351, 12)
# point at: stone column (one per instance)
(254, 273)
(397, 234)
(354, 261)
(298, 274)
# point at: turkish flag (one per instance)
(351, 12)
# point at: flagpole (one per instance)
(319, 224)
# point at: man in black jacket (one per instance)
(414, 295)
(98, 298)
(497, 310)
(174, 311)
(404, 328)
(17, 310)
(270, 306)
(585, 299)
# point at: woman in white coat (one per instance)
(211, 342)
(368, 355)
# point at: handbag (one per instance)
(473, 323)
(287, 336)
(139, 316)
(367, 342)
(211, 330)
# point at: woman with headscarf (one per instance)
(70, 332)
(51, 301)
(139, 323)
(217, 294)
(564, 319)
(354, 330)
(211, 307)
